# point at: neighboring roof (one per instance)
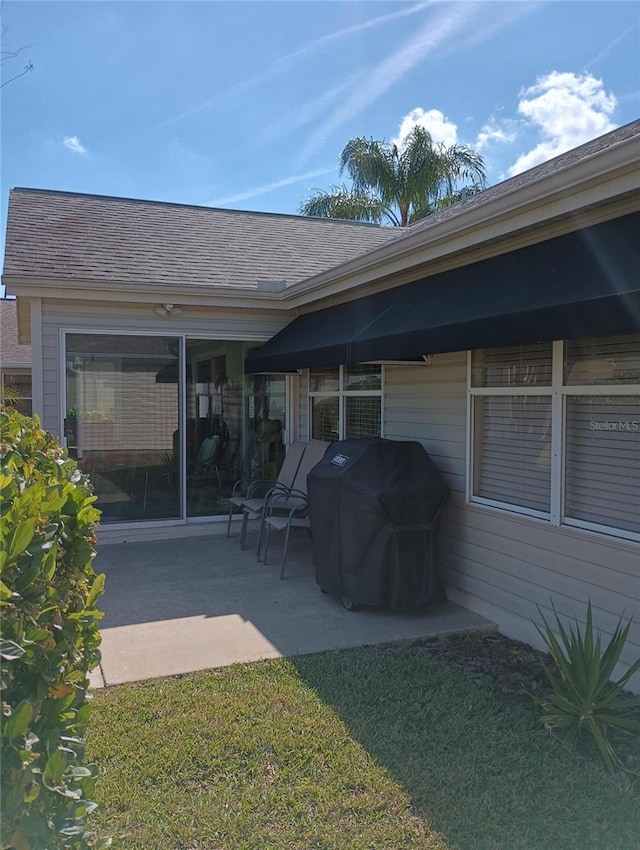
(12, 353)
(69, 236)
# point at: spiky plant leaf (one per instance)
(583, 695)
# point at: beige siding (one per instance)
(499, 565)
(243, 323)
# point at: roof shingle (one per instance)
(63, 235)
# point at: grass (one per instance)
(355, 749)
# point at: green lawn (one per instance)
(357, 750)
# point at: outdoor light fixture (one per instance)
(168, 310)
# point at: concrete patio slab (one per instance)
(176, 606)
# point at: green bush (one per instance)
(48, 639)
(583, 696)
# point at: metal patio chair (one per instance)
(253, 491)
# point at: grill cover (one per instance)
(373, 505)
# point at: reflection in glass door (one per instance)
(266, 418)
(122, 422)
(234, 424)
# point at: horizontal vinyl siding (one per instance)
(224, 323)
(499, 565)
(428, 404)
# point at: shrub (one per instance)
(583, 696)
(48, 639)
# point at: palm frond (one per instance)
(399, 184)
(349, 205)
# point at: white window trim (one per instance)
(342, 395)
(559, 393)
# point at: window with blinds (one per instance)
(556, 431)
(512, 461)
(602, 460)
(345, 402)
(608, 360)
(513, 366)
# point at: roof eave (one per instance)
(147, 292)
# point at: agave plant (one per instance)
(583, 695)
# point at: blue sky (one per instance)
(248, 104)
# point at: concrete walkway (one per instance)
(175, 606)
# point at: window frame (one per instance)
(559, 392)
(342, 395)
(18, 372)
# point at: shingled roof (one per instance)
(12, 353)
(69, 236)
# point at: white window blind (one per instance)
(612, 360)
(513, 366)
(602, 468)
(512, 460)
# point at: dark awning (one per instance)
(583, 283)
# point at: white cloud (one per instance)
(495, 133)
(74, 144)
(568, 110)
(433, 121)
(269, 187)
(328, 40)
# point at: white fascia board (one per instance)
(580, 194)
(150, 293)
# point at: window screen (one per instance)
(362, 416)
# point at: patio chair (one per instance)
(245, 489)
(291, 505)
(296, 517)
(286, 497)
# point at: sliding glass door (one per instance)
(234, 424)
(165, 425)
(122, 421)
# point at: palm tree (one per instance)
(398, 185)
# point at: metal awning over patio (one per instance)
(580, 284)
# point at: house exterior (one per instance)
(502, 333)
(15, 359)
